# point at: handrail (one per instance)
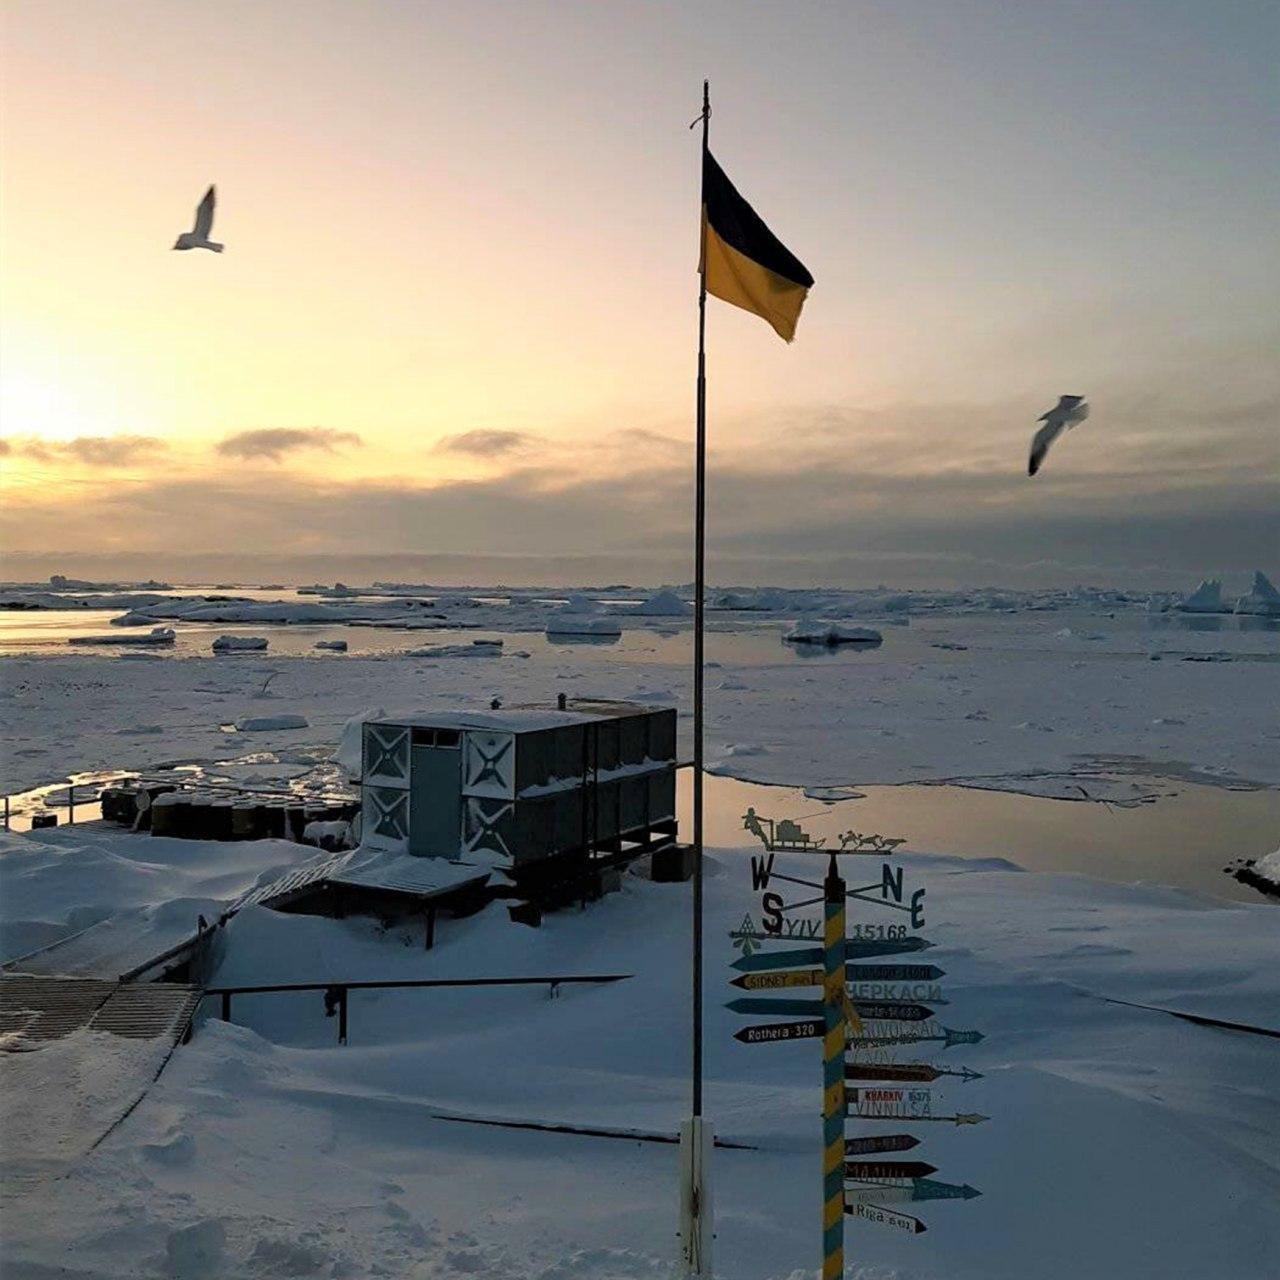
(336, 993)
(554, 980)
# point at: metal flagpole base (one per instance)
(697, 1222)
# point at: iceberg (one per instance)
(665, 604)
(1262, 599)
(1206, 598)
(817, 631)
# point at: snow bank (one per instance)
(350, 752)
(818, 631)
(237, 644)
(1262, 598)
(664, 604)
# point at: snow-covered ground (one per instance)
(1122, 1142)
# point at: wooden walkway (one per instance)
(35, 1009)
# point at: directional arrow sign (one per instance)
(885, 1104)
(923, 1072)
(893, 973)
(812, 956)
(876, 1143)
(928, 1189)
(779, 978)
(886, 1012)
(948, 1038)
(772, 1032)
(971, 1117)
(813, 1008)
(900, 973)
(887, 1218)
(879, 1170)
(775, 1004)
(916, 1189)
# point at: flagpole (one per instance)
(697, 1230)
(699, 606)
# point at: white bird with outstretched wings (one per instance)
(198, 236)
(1062, 417)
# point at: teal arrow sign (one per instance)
(853, 950)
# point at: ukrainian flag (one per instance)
(744, 262)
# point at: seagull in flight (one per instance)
(1062, 417)
(198, 236)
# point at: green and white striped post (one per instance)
(833, 1051)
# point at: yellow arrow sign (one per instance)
(777, 978)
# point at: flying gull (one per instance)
(198, 236)
(1062, 417)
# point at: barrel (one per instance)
(248, 820)
(219, 811)
(166, 820)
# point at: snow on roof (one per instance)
(524, 718)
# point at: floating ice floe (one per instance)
(581, 616)
(238, 644)
(261, 724)
(817, 631)
(476, 649)
(664, 604)
(1206, 598)
(156, 636)
(579, 624)
(1262, 599)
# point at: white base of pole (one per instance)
(697, 1222)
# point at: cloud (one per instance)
(486, 444)
(97, 451)
(914, 494)
(272, 443)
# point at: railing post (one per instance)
(71, 803)
(6, 813)
(226, 1006)
(342, 1015)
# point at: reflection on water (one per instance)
(1183, 840)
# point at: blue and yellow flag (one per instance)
(745, 263)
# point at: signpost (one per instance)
(860, 1177)
(834, 1044)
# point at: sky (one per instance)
(453, 333)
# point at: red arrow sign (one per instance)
(879, 1170)
(874, 1144)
